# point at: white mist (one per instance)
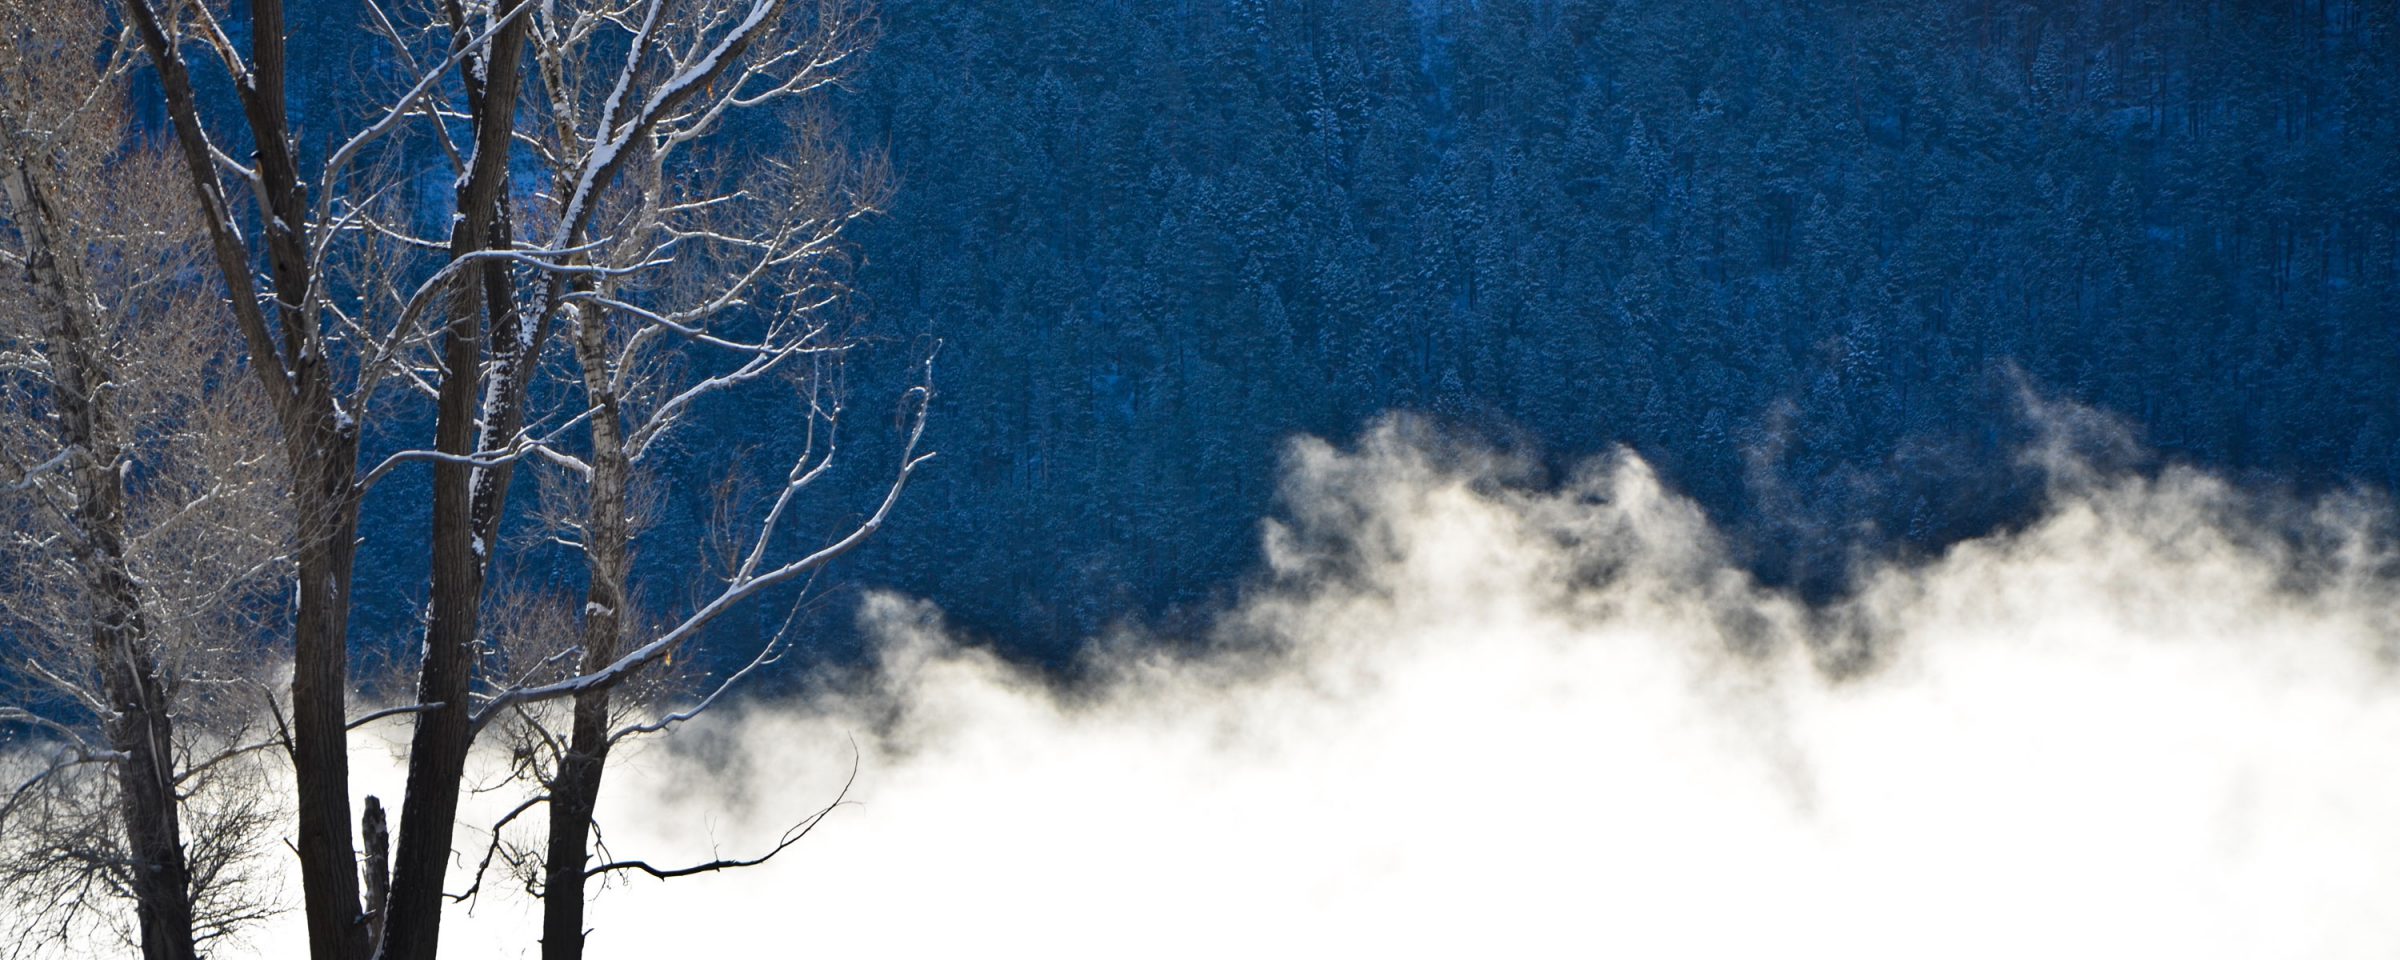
(1458, 719)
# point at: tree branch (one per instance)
(790, 836)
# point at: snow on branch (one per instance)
(523, 444)
(460, 48)
(744, 585)
(34, 474)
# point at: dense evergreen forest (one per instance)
(1799, 255)
(1804, 257)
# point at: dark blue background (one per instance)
(1801, 255)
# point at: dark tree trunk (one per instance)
(326, 504)
(141, 729)
(438, 751)
(320, 446)
(575, 792)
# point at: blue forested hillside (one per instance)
(1803, 256)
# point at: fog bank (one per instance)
(1466, 711)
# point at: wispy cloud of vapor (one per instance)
(1465, 714)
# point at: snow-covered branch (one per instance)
(743, 587)
(35, 473)
(524, 443)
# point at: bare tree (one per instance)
(290, 351)
(704, 264)
(684, 263)
(300, 280)
(715, 269)
(140, 548)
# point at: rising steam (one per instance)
(1462, 717)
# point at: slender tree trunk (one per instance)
(325, 501)
(437, 754)
(438, 751)
(575, 792)
(141, 729)
(573, 798)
